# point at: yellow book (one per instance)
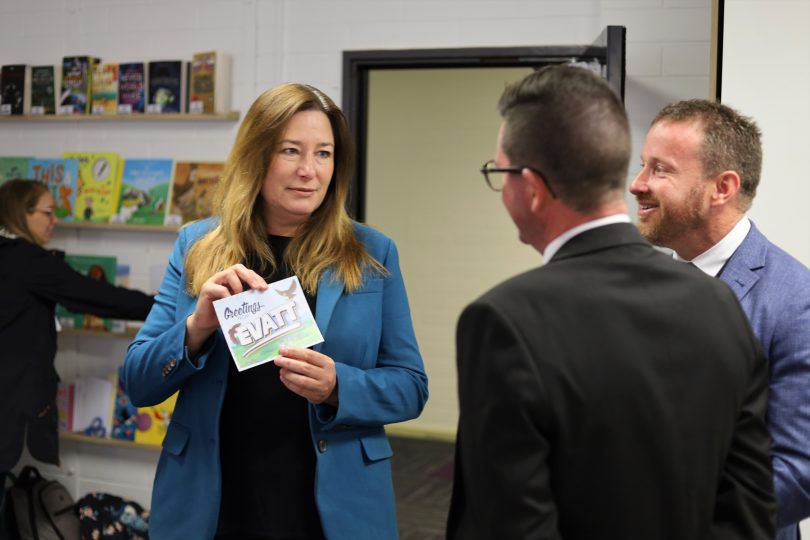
(152, 422)
(99, 185)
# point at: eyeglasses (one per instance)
(495, 175)
(47, 211)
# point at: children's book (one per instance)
(93, 406)
(62, 177)
(99, 185)
(152, 422)
(167, 83)
(125, 415)
(100, 267)
(192, 191)
(65, 399)
(45, 82)
(13, 167)
(15, 89)
(105, 89)
(77, 84)
(210, 83)
(131, 88)
(145, 185)
(257, 323)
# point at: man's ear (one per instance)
(726, 187)
(537, 189)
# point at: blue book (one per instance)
(61, 176)
(166, 86)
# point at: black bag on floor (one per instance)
(43, 509)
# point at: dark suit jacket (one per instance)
(613, 394)
(773, 290)
(32, 281)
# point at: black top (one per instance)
(266, 452)
(32, 281)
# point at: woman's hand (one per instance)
(309, 374)
(203, 322)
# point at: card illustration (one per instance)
(256, 324)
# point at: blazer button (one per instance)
(322, 445)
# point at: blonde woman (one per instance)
(294, 448)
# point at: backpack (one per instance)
(43, 509)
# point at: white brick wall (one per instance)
(272, 41)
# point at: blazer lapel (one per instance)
(741, 272)
(329, 291)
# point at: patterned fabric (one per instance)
(104, 516)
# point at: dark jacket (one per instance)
(32, 281)
(612, 393)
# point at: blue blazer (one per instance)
(774, 290)
(381, 380)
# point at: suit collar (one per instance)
(609, 236)
(741, 271)
(329, 290)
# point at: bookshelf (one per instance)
(117, 227)
(129, 333)
(106, 441)
(231, 116)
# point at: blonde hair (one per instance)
(325, 240)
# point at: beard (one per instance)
(673, 222)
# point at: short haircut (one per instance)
(731, 141)
(569, 124)
(17, 199)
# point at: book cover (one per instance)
(93, 405)
(152, 422)
(167, 84)
(257, 323)
(145, 185)
(15, 89)
(125, 415)
(100, 267)
(77, 84)
(192, 191)
(13, 167)
(62, 177)
(45, 82)
(99, 185)
(122, 272)
(131, 88)
(65, 399)
(209, 83)
(105, 89)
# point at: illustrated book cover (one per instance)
(99, 185)
(192, 191)
(152, 422)
(105, 89)
(77, 84)
(93, 405)
(13, 167)
(210, 83)
(131, 88)
(100, 267)
(15, 89)
(125, 415)
(62, 177)
(257, 323)
(45, 82)
(65, 398)
(145, 185)
(167, 83)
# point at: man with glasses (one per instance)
(613, 392)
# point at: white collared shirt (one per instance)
(554, 246)
(713, 259)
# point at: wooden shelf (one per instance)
(104, 441)
(116, 227)
(231, 116)
(129, 333)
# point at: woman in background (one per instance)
(295, 448)
(32, 281)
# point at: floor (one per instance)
(423, 480)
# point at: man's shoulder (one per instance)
(757, 251)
